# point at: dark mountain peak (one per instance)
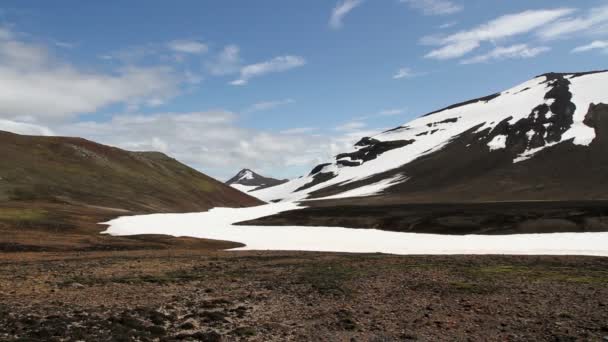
(243, 176)
(249, 178)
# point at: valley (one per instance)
(486, 220)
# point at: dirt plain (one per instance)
(60, 280)
(193, 295)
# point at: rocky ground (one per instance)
(197, 295)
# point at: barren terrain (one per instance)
(255, 296)
(60, 280)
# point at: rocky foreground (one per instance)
(164, 295)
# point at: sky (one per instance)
(272, 85)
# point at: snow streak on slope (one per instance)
(244, 188)
(246, 175)
(217, 224)
(531, 104)
(585, 90)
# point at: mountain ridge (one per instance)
(474, 149)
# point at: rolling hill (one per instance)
(80, 172)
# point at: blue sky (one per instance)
(277, 86)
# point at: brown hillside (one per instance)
(80, 172)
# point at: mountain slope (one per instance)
(542, 140)
(80, 172)
(247, 180)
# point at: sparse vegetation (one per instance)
(278, 296)
(17, 215)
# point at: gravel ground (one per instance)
(164, 295)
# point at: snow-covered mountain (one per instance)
(544, 139)
(247, 180)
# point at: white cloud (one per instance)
(520, 51)
(23, 128)
(214, 142)
(595, 20)
(341, 10)
(403, 73)
(392, 112)
(596, 45)
(277, 64)
(461, 43)
(268, 105)
(227, 62)
(299, 130)
(351, 126)
(383, 113)
(188, 46)
(434, 7)
(64, 45)
(447, 25)
(37, 87)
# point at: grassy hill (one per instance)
(81, 172)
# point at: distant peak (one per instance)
(250, 178)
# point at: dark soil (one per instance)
(496, 218)
(264, 296)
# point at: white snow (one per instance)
(585, 90)
(368, 190)
(516, 103)
(243, 188)
(217, 224)
(246, 175)
(530, 153)
(498, 142)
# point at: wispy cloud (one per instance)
(341, 10)
(595, 20)
(447, 25)
(64, 45)
(351, 126)
(404, 73)
(268, 105)
(381, 113)
(596, 45)
(392, 112)
(461, 43)
(24, 128)
(277, 64)
(520, 51)
(188, 46)
(299, 130)
(434, 7)
(228, 61)
(40, 87)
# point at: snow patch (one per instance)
(368, 190)
(585, 91)
(217, 224)
(246, 175)
(244, 188)
(531, 152)
(498, 142)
